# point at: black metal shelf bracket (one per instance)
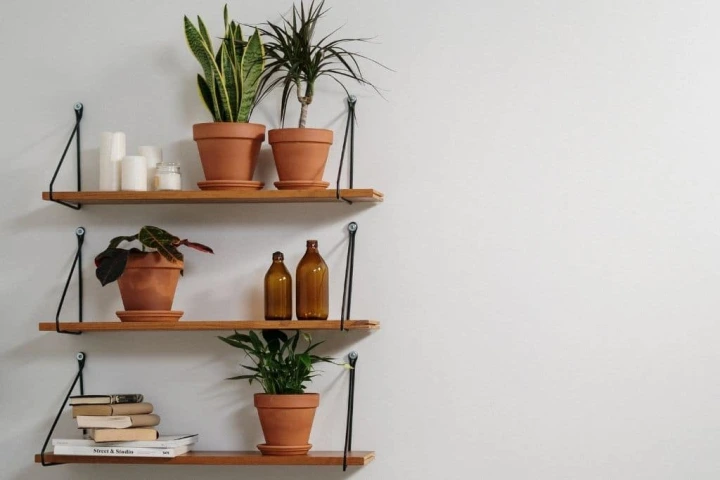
(80, 357)
(80, 234)
(78, 108)
(349, 131)
(352, 360)
(349, 270)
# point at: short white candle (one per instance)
(153, 155)
(134, 173)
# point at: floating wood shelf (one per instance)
(183, 325)
(216, 196)
(222, 458)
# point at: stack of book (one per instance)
(120, 425)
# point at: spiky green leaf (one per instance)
(230, 75)
(201, 47)
(251, 68)
(207, 96)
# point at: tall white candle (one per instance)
(110, 159)
(153, 155)
(134, 173)
(112, 150)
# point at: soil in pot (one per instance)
(286, 421)
(228, 151)
(149, 282)
(300, 153)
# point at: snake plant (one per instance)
(231, 79)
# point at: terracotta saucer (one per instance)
(301, 185)
(230, 185)
(149, 315)
(284, 451)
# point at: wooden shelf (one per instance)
(217, 196)
(184, 325)
(221, 458)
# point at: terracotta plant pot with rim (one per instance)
(229, 150)
(149, 282)
(300, 153)
(286, 421)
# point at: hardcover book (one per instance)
(106, 399)
(114, 409)
(122, 434)
(121, 451)
(117, 421)
(163, 441)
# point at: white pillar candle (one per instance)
(112, 151)
(153, 155)
(134, 173)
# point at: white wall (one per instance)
(545, 266)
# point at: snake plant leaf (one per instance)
(205, 35)
(203, 53)
(206, 95)
(198, 47)
(230, 75)
(251, 68)
(111, 264)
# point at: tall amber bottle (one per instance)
(313, 293)
(278, 290)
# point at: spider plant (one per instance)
(296, 62)
(232, 74)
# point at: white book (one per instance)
(163, 441)
(105, 451)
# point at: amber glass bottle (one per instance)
(278, 290)
(313, 294)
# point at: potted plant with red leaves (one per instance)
(147, 277)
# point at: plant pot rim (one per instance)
(152, 260)
(232, 130)
(301, 135)
(304, 129)
(250, 124)
(298, 400)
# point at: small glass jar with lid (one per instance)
(167, 176)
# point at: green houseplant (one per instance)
(286, 412)
(147, 277)
(229, 145)
(295, 62)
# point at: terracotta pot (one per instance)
(149, 282)
(228, 151)
(286, 422)
(300, 153)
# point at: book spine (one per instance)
(126, 398)
(119, 451)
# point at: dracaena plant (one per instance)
(295, 61)
(111, 262)
(278, 365)
(232, 74)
